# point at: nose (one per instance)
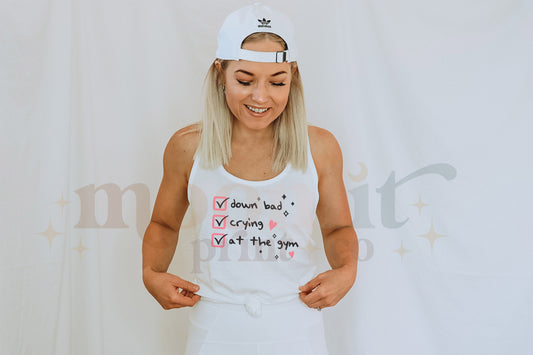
(260, 93)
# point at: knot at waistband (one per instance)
(253, 306)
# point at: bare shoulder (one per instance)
(171, 201)
(325, 149)
(179, 152)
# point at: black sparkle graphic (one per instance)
(259, 199)
(277, 256)
(286, 213)
(292, 203)
(284, 196)
(274, 236)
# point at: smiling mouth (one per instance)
(257, 110)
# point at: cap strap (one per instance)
(265, 57)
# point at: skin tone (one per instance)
(257, 85)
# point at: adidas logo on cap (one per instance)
(264, 23)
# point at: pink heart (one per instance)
(272, 224)
(291, 253)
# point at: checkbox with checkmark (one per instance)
(219, 221)
(218, 240)
(220, 203)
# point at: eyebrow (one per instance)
(248, 73)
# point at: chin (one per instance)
(252, 124)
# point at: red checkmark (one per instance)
(220, 203)
(219, 221)
(218, 240)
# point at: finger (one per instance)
(310, 285)
(311, 303)
(312, 297)
(184, 284)
(195, 298)
(303, 298)
(316, 303)
(182, 301)
(319, 303)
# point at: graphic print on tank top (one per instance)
(243, 225)
(252, 224)
(252, 236)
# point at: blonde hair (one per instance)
(290, 128)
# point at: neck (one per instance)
(243, 136)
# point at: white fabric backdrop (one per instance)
(431, 102)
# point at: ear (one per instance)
(294, 67)
(218, 66)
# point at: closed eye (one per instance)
(246, 83)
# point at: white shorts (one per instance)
(289, 328)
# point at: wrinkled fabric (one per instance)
(288, 328)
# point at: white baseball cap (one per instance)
(250, 19)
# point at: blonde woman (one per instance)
(254, 175)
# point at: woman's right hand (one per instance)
(170, 290)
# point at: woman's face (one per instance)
(257, 93)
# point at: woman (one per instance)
(254, 175)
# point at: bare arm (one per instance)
(340, 240)
(161, 236)
(338, 233)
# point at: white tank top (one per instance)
(253, 237)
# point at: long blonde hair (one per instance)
(290, 128)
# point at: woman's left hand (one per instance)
(328, 288)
